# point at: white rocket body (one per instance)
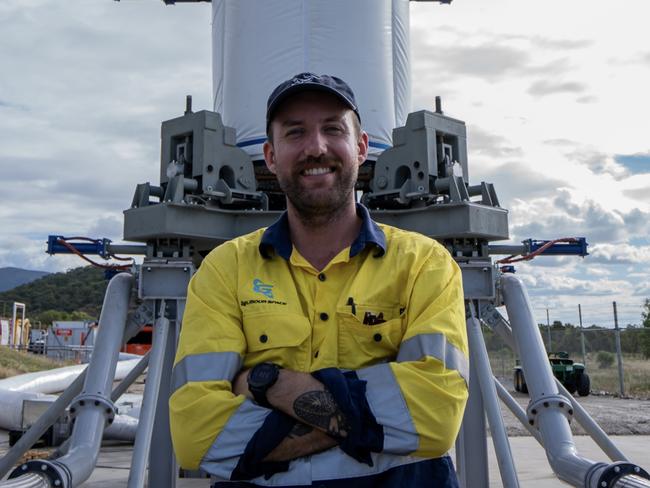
(258, 44)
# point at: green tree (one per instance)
(645, 335)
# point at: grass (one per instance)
(636, 373)
(636, 376)
(14, 362)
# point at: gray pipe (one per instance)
(149, 402)
(93, 405)
(117, 393)
(30, 480)
(43, 423)
(486, 382)
(493, 318)
(517, 411)
(547, 407)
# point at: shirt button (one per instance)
(321, 276)
(377, 337)
(264, 338)
(324, 316)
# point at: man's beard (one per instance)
(317, 208)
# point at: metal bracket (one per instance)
(164, 279)
(478, 280)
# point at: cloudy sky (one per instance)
(554, 94)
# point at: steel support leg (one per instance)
(149, 402)
(471, 444)
(488, 392)
(162, 462)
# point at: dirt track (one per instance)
(615, 416)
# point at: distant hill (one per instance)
(13, 277)
(79, 291)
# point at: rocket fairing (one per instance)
(256, 45)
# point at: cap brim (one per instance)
(292, 90)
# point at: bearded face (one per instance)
(315, 154)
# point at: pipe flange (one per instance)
(615, 471)
(95, 402)
(44, 468)
(556, 402)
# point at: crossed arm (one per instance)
(320, 422)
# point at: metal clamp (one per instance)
(557, 402)
(56, 474)
(616, 471)
(94, 401)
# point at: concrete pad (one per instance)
(112, 469)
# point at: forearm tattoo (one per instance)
(299, 430)
(319, 409)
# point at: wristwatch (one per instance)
(262, 377)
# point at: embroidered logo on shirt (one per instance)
(263, 288)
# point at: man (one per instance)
(327, 349)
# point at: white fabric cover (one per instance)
(258, 44)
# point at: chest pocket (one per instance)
(283, 339)
(363, 345)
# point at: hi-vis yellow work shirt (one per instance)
(390, 307)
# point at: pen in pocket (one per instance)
(352, 306)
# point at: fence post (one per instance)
(548, 325)
(619, 356)
(582, 337)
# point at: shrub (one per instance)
(604, 359)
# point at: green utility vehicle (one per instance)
(571, 374)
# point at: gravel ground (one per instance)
(616, 416)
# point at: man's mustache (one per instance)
(320, 160)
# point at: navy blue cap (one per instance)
(310, 81)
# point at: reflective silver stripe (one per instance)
(389, 408)
(210, 366)
(223, 455)
(333, 464)
(436, 346)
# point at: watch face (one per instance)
(262, 374)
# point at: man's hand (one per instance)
(319, 420)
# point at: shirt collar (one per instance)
(277, 238)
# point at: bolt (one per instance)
(545, 404)
(420, 188)
(43, 467)
(24, 467)
(73, 410)
(531, 422)
(148, 268)
(209, 188)
(108, 411)
(637, 469)
(96, 403)
(57, 482)
(534, 411)
(604, 483)
(561, 404)
(81, 403)
(570, 411)
(617, 469)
